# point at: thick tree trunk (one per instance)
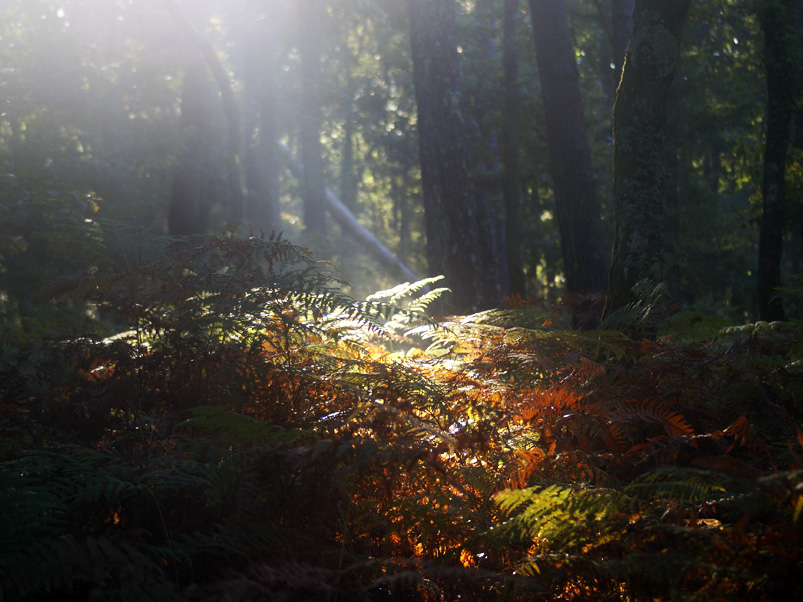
(310, 16)
(621, 26)
(584, 255)
(230, 109)
(510, 149)
(459, 228)
(639, 140)
(777, 21)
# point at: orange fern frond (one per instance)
(643, 419)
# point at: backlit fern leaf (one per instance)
(235, 427)
(637, 419)
(679, 484)
(562, 518)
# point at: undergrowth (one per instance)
(254, 434)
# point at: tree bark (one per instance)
(459, 228)
(310, 16)
(672, 227)
(585, 261)
(510, 149)
(190, 194)
(230, 109)
(622, 25)
(262, 156)
(639, 170)
(349, 177)
(778, 23)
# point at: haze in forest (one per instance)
(164, 117)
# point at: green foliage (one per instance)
(254, 434)
(214, 419)
(61, 527)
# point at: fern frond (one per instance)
(643, 316)
(406, 290)
(679, 484)
(562, 518)
(642, 418)
(235, 427)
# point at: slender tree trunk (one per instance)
(484, 135)
(584, 256)
(349, 179)
(672, 202)
(459, 227)
(510, 149)
(310, 16)
(190, 190)
(262, 155)
(604, 58)
(639, 145)
(777, 21)
(348, 170)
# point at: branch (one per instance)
(349, 223)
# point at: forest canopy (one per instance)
(106, 105)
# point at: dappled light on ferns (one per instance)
(254, 433)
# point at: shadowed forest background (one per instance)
(401, 300)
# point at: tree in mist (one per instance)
(262, 165)
(310, 16)
(192, 189)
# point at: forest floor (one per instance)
(285, 442)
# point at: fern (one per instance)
(235, 427)
(679, 484)
(643, 316)
(42, 551)
(256, 433)
(561, 518)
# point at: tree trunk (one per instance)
(349, 178)
(639, 139)
(459, 229)
(672, 202)
(190, 194)
(310, 16)
(262, 157)
(510, 150)
(584, 256)
(402, 212)
(777, 22)
(230, 110)
(622, 25)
